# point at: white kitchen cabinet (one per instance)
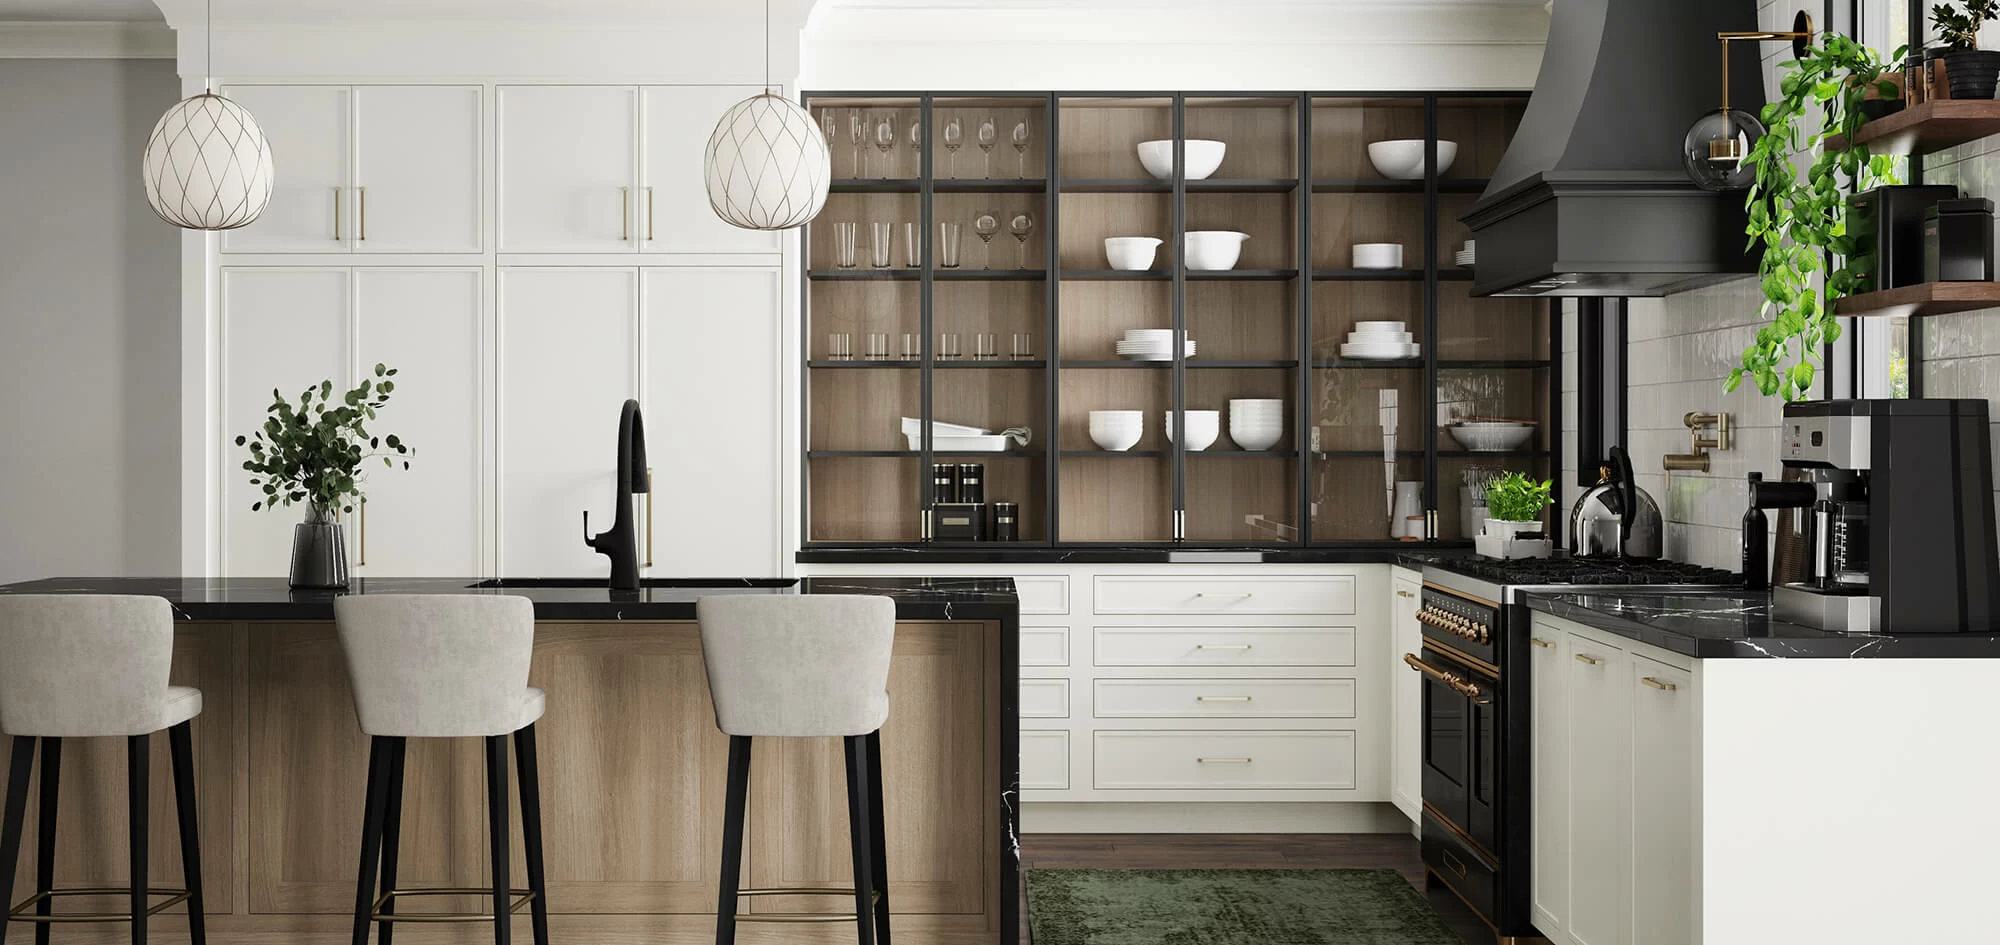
(283, 330)
(568, 359)
(568, 169)
(1664, 793)
(1406, 695)
(429, 519)
(674, 210)
(1600, 826)
(713, 397)
(309, 128)
(1548, 848)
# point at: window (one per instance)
(1882, 345)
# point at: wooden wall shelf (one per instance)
(1923, 129)
(1929, 298)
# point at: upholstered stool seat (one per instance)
(94, 666)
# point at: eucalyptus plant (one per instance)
(313, 453)
(1798, 207)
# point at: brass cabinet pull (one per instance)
(1230, 596)
(649, 214)
(1222, 761)
(1222, 646)
(1657, 684)
(1459, 684)
(624, 213)
(1544, 644)
(1457, 865)
(361, 195)
(1587, 658)
(1404, 594)
(336, 214)
(649, 516)
(1222, 698)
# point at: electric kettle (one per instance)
(1615, 517)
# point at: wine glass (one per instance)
(986, 225)
(917, 145)
(1021, 148)
(954, 135)
(855, 135)
(885, 138)
(1021, 224)
(989, 135)
(829, 123)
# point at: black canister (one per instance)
(1006, 521)
(1958, 241)
(972, 483)
(1756, 531)
(944, 482)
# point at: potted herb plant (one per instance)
(313, 455)
(1514, 505)
(1970, 70)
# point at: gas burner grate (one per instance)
(1593, 570)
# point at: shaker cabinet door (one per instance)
(568, 163)
(1600, 793)
(283, 330)
(674, 214)
(312, 204)
(418, 182)
(568, 361)
(1549, 781)
(1406, 696)
(1664, 795)
(425, 520)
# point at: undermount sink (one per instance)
(498, 583)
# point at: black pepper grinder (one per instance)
(1756, 529)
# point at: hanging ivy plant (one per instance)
(1798, 207)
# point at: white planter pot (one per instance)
(1501, 528)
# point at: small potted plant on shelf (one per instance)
(1514, 505)
(1970, 71)
(313, 455)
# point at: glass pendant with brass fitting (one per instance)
(1716, 149)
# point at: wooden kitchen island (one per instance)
(632, 774)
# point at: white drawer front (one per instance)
(1045, 698)
(1044, 646)
(1247, 594)
(1224, 760)
(1044, 761)
(1222, 646)
(1225, 698)
(1043, 594)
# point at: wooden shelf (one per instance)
(1225, 185)
(1116, 185)
(1241, 275)
(869, 185)
(989, 275)
(1377, 363)
(1929, 298)
(1115, 454)
(1116, 275)
(1368, 275)
(985, 185)
(1922, 129)
(1244, 454)
(862, 274)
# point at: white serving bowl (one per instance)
(1487, 437)
(1116, 430)
(1403, 158)
(1214, 249)
(1203, 157)
(1378, 255)
(1254, 438)
(1130, 252)
(1203, 426)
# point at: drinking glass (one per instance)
(1024, 346)
(989, 135)
(880, 250)
(985, 347)
(1021, 224)
(917, 145)
(986, 224)
(913, 346)
(856, 131)
(948, 245)
(840, 347)
(829, 123)
(911, 250)
(1021, 134)
(878, 346)
(947, 349)
(885, 138)
(843, 244)
(954, 135)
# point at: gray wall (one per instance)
(89, 324)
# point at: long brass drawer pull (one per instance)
(336, 214)
(361, 196)
(1222, 646)
(1657, 684)
(1404, 594)
(1244, 596)
(1544, 644)
(1222, 761)
(1222, 698)
(624, 213)
(1587, 658)
(1459, 684)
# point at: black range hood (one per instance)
(1591, 198)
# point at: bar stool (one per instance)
(802, 667)
(94, 666)
(443, 666)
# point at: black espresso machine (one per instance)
(1900, 533)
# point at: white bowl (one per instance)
(1203, 426)
(1378, 255)
(1253, 438)
(1491, 437)
(1379, 326)
(1203, 157)
(1214, 249)
(1379, 337)
(1403, 158)
(1130, 252)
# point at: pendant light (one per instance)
(207, 165)
(767, 163)
(1716, 150)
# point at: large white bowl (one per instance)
(1203, 157)
(1130, 252)
(1491, 437)
(1203, 426)
(1254, 439)
(1214, 249)
(1378, 255)
(1403, 158)
(1116, 430)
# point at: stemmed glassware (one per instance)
(829, 123)
(986, 225)
(855, 134)
(954, 135)
(885, 138)
(1021, 148)
(917, 145)
(989, 135)
(1021, 224)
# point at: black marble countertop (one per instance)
(233, 599)
(1003, 553)
(1737, 624)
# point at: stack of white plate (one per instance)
(1151, 344)
(1379, 341)
(1464, 256)
(1256, 424)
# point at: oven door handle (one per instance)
(1457, 683)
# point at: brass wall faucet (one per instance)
(1697, 459)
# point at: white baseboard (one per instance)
(1349, 817)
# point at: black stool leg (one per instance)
(139, 779)
(180, 744)
(860, 836)
(496, 819)
(45, 835)
(392, 828)
(881, 839)
(22, 765)
(371, 836)
(527, 772)
(736, 799)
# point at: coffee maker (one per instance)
(1901, 532)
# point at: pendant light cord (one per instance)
(208, 73)
(767, 46)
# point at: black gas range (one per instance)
(1476, 714)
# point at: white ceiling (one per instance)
(74, 11)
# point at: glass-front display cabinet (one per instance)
(1024, 300)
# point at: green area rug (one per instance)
(1230, 907)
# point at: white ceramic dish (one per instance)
(1203, 157)
(1378, 255)
(1379, 337)
(1491, 437)
(964, 444)
(1211, 250)
(1253, 438)
(1379, 352)
(1203, 426)
(1130, 252)
(1116, 430)
(1379, 326)
(915, 427)
(1403, 158)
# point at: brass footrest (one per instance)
(17, 914)
(874, 896)
(377, 915)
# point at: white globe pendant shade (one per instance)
(767, 165)
(207, 165)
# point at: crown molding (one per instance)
(106, 40)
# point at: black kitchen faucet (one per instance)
(621, 543)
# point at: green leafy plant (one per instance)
(1516, 498)
(1960, 29)
(1798, 207)
(314, 453)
